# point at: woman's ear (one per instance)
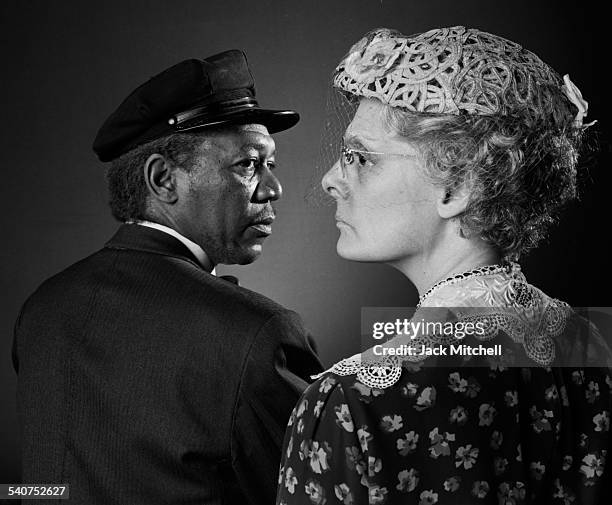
(160, 178)
(453, 202)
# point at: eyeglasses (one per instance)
(347, 156)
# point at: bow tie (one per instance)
(230, 278)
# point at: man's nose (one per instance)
(269, 188)
(331, 181)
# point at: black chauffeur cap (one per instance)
(193, 94)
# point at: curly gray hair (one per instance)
(519, 174)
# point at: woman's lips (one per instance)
(341, 222)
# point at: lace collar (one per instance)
(500, 298)
(471, 288)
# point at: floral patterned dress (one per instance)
(465, 435)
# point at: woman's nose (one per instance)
(331, 181)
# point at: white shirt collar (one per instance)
(195, 249)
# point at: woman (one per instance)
(461, 151)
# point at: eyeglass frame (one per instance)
(344, 151)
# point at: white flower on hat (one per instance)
(575, 96)
(366, 62)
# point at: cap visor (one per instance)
(274, 120)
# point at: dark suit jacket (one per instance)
(143, 379)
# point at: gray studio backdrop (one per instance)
(67, 64)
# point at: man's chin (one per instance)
(245, 255)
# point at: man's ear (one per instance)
(160, 178)
(453, 202)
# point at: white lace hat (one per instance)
(457, 70)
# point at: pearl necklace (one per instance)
(476, 272)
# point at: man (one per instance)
(143, 377)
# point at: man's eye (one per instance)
(248, 163)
